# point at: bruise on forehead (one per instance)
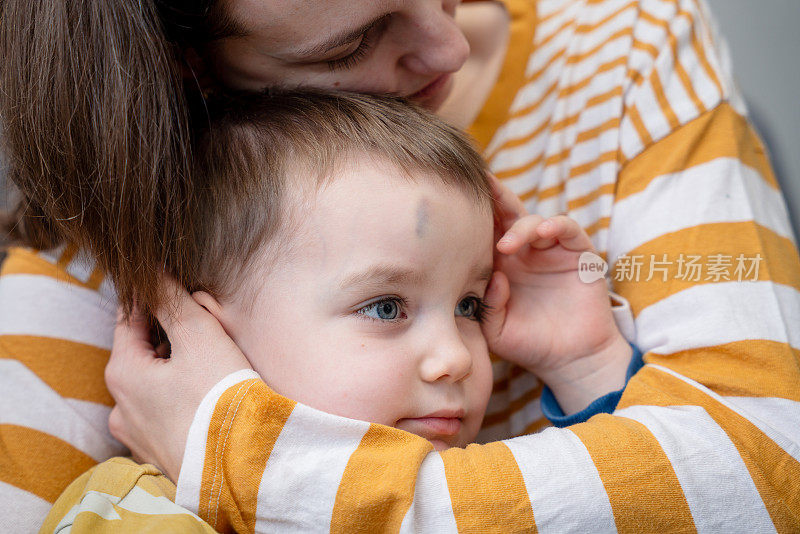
(423, 218)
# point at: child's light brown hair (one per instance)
(258, 147)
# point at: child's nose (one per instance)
(448, 359)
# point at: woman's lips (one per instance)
(432, 89)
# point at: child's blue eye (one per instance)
(471, 308)
(388, 309)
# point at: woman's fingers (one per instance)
(133, 332)
(157, 398)
(186, 323)
(195, 334)
(130, 350)
(176, 306)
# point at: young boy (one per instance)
(365, 292)
(350, 253)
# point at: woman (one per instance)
(622, 114)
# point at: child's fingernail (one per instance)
(508, 238)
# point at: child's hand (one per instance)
(544, 318)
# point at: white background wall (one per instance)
(764, 41)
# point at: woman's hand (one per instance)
(157, 397)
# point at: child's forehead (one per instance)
(369, 172)
(374, 184)
(423, 217)
(369, 202)
(390, 211)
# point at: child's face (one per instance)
(368, 313)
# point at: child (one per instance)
(351, 258)
(361, 284)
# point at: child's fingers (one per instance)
(507, 203)
(496, 298)
(522, 232)
(567, 231)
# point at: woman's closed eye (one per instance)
(389, 309)
(367, 40)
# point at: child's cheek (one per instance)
(377, 394)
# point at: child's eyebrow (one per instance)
(382, 275)
(484, 274)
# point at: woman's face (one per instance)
(403, 47)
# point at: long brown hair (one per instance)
(97, 128)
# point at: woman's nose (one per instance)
(439, 46)
(448, 358)
(449, 6)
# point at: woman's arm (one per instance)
(56, 324)
(687, 459)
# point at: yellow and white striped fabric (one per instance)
(57, 317)
(622, 113)
(120, 491)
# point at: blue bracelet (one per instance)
(605, 404)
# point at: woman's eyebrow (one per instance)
(341, 39)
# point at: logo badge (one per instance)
(591, 267)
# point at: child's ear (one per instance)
(209, 303)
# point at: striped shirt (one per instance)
(623, 114)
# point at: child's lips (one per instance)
(432, 427)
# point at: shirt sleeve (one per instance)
(121, 496)
(705, 436)
(57, 316)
